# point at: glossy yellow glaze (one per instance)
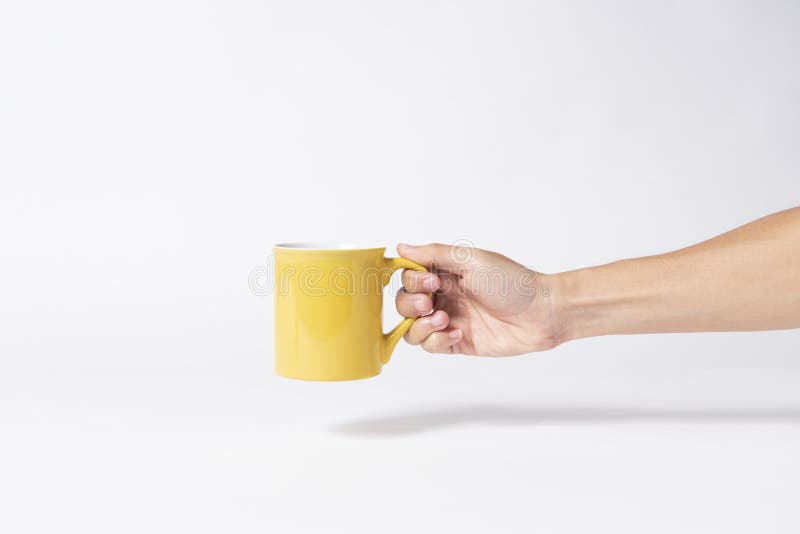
(328, 308)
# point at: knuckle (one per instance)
(410, 282)
(405, 308)
(439, 247)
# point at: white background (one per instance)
(152, 151)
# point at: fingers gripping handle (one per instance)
(391, 339)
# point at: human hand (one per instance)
(488, 305)
(484, 304)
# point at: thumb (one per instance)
(447, 257)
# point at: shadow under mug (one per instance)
(328, 311)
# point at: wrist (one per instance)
(562, 313)
(589, 302)
(585, 302)
(551, 316)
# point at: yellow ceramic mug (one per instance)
(328, 307)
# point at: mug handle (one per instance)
(391, 339)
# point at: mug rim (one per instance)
(324, 245)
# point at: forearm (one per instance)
(747, 279)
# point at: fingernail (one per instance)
(455, 334)
(437, 320)
(421, 306)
